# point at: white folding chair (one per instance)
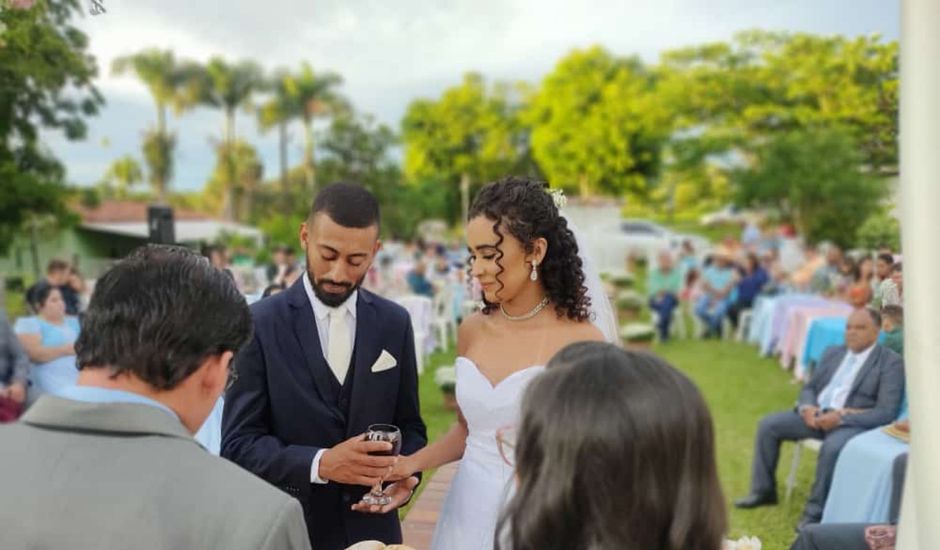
(444, 319)
(811, 444)
(744, 323)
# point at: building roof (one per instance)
(129, 219)
(109, 211)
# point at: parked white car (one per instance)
(728, 214)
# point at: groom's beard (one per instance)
(333, 299)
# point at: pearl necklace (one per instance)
(525, 316)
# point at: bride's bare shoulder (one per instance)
(579, 331)
(469, 328)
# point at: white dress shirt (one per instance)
(322, 314)
(835, 394)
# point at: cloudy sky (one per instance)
(390, 52)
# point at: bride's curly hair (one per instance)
(523, 207)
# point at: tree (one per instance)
(123, 174)
(46, 74)
(597, 125)
(172, 84)
(278, 110)
(313, 95)
(815, 178)
(235, 180)
(729, 96)
(470, 135)
(229, 87)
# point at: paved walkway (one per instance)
(418, 527)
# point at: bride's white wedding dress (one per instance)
(483, 480)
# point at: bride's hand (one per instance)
(403, 469)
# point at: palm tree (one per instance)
(171, 85)
(313, 95)
(123, 174)
(279, 111)
(229, 87)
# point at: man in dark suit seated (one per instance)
(111, 462)
(855, 388)
(329, 358)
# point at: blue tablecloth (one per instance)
(861, 484)
(823, 332)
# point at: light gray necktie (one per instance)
(340, 348)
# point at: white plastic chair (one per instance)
(811, 444)
(744, 323)
(444, 318)
(420, 310)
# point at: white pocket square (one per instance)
(384, 362)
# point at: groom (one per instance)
(328, 359)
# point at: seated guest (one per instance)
(112, 462)
(861, 375)
(615, 450)
(57, 276)
(687, 260)
(14, 373)
(753, 279)
(859, 536)
(418, 281)
(663, 287)
(892, 289)
(858, 293)
(827, 278)
(892, 324)
(49, 339)
(813, 261)
(883, 265)
(718, 283)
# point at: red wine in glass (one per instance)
(391, 434)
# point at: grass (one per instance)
(740, 388)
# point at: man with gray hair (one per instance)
(856, 387)
(111, 463)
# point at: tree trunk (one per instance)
(309, 166)
(230, 210)
(464, 196)
(161, 182)
(584, 188)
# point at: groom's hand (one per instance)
(400, 492)
(350, 462)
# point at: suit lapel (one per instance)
(305, 330)
(863, 372)
(825, 377)
(367, 350)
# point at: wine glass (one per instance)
(382, 432)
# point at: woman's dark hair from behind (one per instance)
(523, 207)
(42, 293)
(615, 451)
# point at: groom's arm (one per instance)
(246, 437)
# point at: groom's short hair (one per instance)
(348, 204)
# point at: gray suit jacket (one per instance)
(86, 476)
(878, 386)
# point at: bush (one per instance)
(630, 300)
(637, 333)
(446, 378)
(880, 229)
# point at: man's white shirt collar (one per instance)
(321, 310)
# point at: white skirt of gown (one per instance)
(483, 482)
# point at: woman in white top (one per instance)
(536, 302)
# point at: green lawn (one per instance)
(740, 387)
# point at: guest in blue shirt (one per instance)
(418, 281)
(753, 279)
(49, 339)
(718, 284)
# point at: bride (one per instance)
(536, 302)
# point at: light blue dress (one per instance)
(53, 376)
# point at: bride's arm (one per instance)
(450, 446)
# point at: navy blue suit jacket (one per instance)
(278, 412)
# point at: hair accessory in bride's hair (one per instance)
(558, 197)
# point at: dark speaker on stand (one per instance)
(160, 224)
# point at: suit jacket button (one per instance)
(346, 497)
